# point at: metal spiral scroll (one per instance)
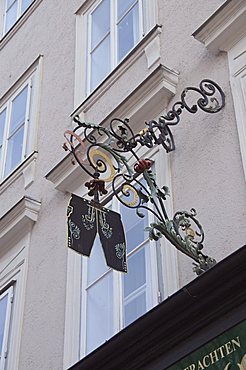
(99, 151)
(184, 231)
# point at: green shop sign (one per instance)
(226, 352)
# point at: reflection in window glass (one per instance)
(25, 4)
(11, 15)
(135, 287)
(10, 2)
(14, 151)
(136, 276)
(134, 309)
(99, 312)
(128, 32)
(96, 262)
(18, 110)
(134, 227)
(16, 131)
(100, 62)
(100, 23)
(123, 6)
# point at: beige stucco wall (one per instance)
(206, 167)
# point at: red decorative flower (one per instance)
(142, 165)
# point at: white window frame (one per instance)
(224, 30)
(148, 16)
(113, 37)
(152, 285)
(15, 235)
(6, 134)
(32, 79)
(18, 13)
(237, 66)
(10, 293)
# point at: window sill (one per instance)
(26, 168)
(224, 28)
(147, 101)
(18, 220)
(18, 24)
(120, 69)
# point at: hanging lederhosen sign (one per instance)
(85, 219)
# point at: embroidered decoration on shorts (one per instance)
(120, 250)
(85, 220)
(89, 219)
(74, 230)
(106, 229)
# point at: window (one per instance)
(229, 35)
(13, 10)
(114, 28)
(15, 234)
(237, 65)
(113, 300)
(6, 299)
(15, 137)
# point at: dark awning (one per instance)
(201, 310)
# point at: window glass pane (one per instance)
(136, 275)
(2, 125)
(99, 312)
(25, 4)
(18, 110)
(11, 16)
(134, 227)
(100, 22)
(14, 151)
(128, 32)
(134, 309)
(3, 310)
(100, 63)
(96, 262)
(123, 6)
(10, 2)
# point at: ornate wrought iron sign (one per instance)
(103, 153)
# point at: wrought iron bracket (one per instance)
(103, 153)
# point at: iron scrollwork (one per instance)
(101, 152)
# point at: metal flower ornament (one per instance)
(104, 154)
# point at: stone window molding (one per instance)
(18, 221)
(15, 235)
(25, 169)
(26, 164)
(225, 31)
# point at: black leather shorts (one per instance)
(85, 219)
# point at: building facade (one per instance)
(102, 59)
